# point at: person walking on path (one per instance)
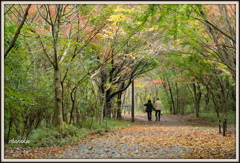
(158, 109)
(149, 108)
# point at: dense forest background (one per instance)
(70, 66)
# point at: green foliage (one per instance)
(40, 137)
(212, 117)
(9, 31)
(69, 134)
(54, 136)
(26, 92)
(176, 55)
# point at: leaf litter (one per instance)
(174, 137)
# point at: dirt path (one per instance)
(174, 137)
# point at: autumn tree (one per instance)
(188, 47)
(18, 15)
(68, 39)
(71, 61)
(26, 103)
(122, 53)
(221, 26)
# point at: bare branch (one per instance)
(208, 23)
(8, 9)
(45, 51)
(17, 32)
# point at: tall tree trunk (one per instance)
(63, 100)
(57, 119)
(73, 99)
(212, 95)
(107, 106)
(197, 98)
(119, 110)
(58, 116)
(119, 102)
(9, 129)
(177, 99)
(206, 97)
(171, 95)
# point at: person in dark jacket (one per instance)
(149, 108)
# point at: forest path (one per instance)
(174, 137)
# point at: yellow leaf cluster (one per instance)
(120, 8)
(140, 84)
(117, 18)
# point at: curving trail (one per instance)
(174, 137)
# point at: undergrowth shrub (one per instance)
(212, 117)
(44, 137)
(68, 134)
(47, 135)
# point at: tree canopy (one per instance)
(66, 64)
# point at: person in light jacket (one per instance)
(149, 108)
(158, 109)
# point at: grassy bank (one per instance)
(49, 136)
(212, 117)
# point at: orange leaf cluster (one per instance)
(159, 81)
